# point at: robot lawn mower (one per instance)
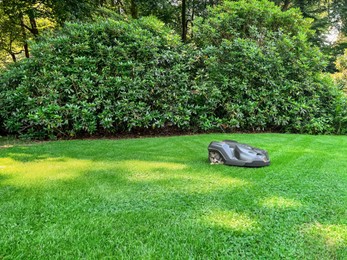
(233, 153)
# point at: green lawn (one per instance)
(159, 198)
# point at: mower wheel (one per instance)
(216, 158)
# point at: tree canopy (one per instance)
(28, 18)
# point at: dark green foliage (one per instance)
(109, 76)
(70, 10)
(252, 69)
(268, 74)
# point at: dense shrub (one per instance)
(267, 72)
(250, 69)
(107, 76)
(341, 76)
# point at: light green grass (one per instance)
(159, 198)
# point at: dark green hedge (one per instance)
(250, 69)
(270, 75)
(104, 77)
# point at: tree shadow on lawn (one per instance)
(292, 173)
(180, 149)
(128, 213)
(181, 200)
(217, 223)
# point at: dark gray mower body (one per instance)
(233, 153)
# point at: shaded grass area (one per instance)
(160, 198)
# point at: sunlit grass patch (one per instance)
(39, 171)
(6, 146)
(183, 176)
(332, 235)
(280, 203)
(230, 220)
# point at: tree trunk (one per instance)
(26, 50)
(192, 18)
(33, 24)
(184, 23)
(24, 34)
(285, 5)
(13, 56)
(133, 9)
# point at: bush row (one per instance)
(251, 68)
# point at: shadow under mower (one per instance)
(231, 152)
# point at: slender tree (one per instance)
(184, 20)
